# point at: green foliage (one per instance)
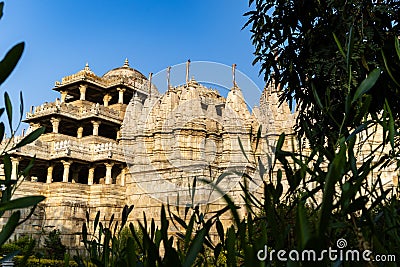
(34, 262)
(53, 247)
(23, 244)
(339, 61)
(112, 245)
(8, 186)
(311, 47)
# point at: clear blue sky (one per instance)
(61, 36)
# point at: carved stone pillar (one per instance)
(82, 90)
(79, 132)
(66, 165)
(14, 168)
(63, 96)
(50, 174)
(106, 99)
(123, 172)
(96, 125)
(55, 123)
(108, 172)
(121, 95)
(91, 175)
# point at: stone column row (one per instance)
(82, 95)
(55, 122)
(67, 165)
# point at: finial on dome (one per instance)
(187, 71)
(126, 63)
(234, 75)
(168, 76)
(150, 77)
(87, 67)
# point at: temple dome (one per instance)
(125, 72)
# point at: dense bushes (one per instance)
(35, 262)
(53, 247)
(24, 245)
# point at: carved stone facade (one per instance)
(115, 140)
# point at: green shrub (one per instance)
(24, 245)
(34, 262)
(53, 247)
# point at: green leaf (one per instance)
(9, 62)
(164, 224)
(388, 69)
(196, 246)
(367, 84)
(10, 226)
(279, 144)
(193, 189)
(335, 173)
(180, 221)
(1, 9)
(397, 45)
(84, 235)
(9, 110)
(96, 220)
(21, 106)
(391, 124)
(303, 226)
(20, 203)
(357, 204)
(258, 137)
(339, 45)
(230, 247)
(7, 166)
(319, 103)
(350, 46)
(220, 230)
(2, 128)
(242, 149)
(130, 252)
(30, 137)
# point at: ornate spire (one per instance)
(168, 77)
(150, 77)
(187, 71)
(234, 75)
(87, 67)
(126, 63)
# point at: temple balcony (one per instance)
(55, 146)
(78, 111)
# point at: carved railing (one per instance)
(80, 150)
(38, 148)
(51, 146)
(83, 76)
(77, 112)
(103, 82)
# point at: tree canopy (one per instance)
(319, 52)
